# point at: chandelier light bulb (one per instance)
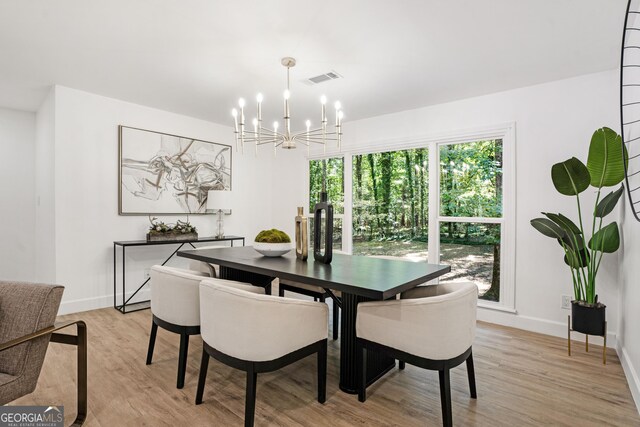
(259, 97)
(308, 123)
(234, 113)
(338, 105)
(255, 122)
(323, 100)
(241, 102)
(275, 126)
(287, 94)
(340, 114)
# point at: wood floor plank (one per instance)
(523, 379)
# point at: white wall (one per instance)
(629, 338)
(554, 121)
(17, 203)
(86, 193)
(45, 232)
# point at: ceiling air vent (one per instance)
(331, 75)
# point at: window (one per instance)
(470, 213)
(390, 203)
(335, 192)
(448, 200)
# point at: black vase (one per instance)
(323, 220)
(588, 319)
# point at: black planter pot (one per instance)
(588, 319)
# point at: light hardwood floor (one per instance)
(522, 378)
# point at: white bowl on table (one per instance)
(272, 249)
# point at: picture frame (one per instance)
(165, 174)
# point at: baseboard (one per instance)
(86, 304)
(541, 326)
(631, 373)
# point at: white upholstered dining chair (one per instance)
(175, 305)
(431, 327)
(259, 333)
(318, 294)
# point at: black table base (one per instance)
(377, 363)
(246, 277)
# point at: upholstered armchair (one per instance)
(431, 327)
(27, 323)
(259, 333)
(175, 306)
(211, 270)
(318, 294)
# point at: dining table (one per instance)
(354, 278)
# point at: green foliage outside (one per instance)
(391, 204)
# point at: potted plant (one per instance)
(272, 243)
(605, 168)
(182, 230)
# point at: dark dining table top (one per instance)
(359, 275)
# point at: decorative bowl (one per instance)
(272, 249)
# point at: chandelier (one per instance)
(260, 135)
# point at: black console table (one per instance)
(128, 307)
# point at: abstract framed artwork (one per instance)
(163, 174)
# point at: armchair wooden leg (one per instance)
(401, 364)
(361, 360)
(202, 378)
(322, 373)
(250, 400)
(336, 319)
(152, 341)
(471, 373)
(182, 358)
(280, 292)
(445, 397)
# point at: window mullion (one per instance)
(434, 203)
(347, 221)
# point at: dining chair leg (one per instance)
(202, 378)
(182, 358)
(445, 397)
(361, 361)
(401, 364)
(471, 373)
(321, 298)
(280, 292)
(336, 319)
(322, 372)
(152, 341)
(250, 400)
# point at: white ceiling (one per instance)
(196, 57)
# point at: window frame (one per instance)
(504, 132)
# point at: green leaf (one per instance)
(606, 240)
(570, 177)
(577, 259)
(606, 159)
(548, 228)
(572, 241)
(607, 204)
(564, 222)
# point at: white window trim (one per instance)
(506, 132)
